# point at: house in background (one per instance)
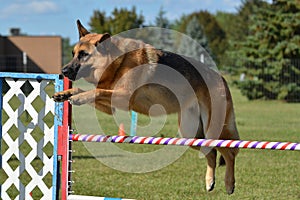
(32, 54)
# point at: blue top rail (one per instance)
(29, 75)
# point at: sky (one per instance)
(58, 17)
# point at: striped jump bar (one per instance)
(187, 142)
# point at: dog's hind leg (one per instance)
(211, 155)
(229, 156)
(189, 119)
(230, 132)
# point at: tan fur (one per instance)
(125, 72)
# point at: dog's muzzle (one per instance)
(70, 72)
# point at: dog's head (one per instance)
(89, 54)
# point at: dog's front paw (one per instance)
(77, 100)
(61, 96)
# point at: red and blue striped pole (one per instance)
(187, 142)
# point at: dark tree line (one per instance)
(269, 54)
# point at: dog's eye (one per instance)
(82, 54)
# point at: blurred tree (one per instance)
(197, 47)
(99, 22)
(161, 20)
(243, 18)
(120, 20)
(195, 31)
(236, 26)
(66, 50)
(178, 23)
(229, 23)
(269, 56)
(216, 36)
(162, 38)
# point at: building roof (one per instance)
(44, 53)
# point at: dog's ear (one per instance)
(82, 31)
(103, 45)
(104, 37)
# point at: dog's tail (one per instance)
(221, 161)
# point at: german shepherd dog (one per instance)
(131, 75)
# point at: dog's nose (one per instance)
(65, 71)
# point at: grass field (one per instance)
(260, 174)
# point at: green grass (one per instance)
(260, 174)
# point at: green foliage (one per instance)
(197, 47)
(236, 26)
(215, 34)
(162, 37)
(195, 31)
(161, 20)
(120, 20)
(229, 23)
(66, 50)
(269, 55)
(243, 18)
(99, 22)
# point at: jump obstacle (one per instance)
(36, 145)
(187, 142)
